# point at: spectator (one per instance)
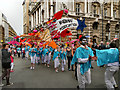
(6, 64)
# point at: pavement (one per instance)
(43, 77)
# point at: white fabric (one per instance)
(27, 54)
(56, 63)
(33, 59)
(42, 58)
(63, 64)
(83, 79)
(80, 60)
(37, 59)
(12, 66)
(45, 58)
(113, 64)
(109, 77)
(49, 58)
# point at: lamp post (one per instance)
(102, 21)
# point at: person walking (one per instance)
(69, 56)
(6, 64)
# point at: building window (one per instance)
(95, 25)
(108, 27)
(78, 9)
(105, 12)
(114, 14)
(94, 9)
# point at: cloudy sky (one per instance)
(12, 9)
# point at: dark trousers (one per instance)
(76, 70)
(6, 73)
(18, 54)
(69, 62)
(23, 55)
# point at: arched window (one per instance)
(107, 27)
(95, 25)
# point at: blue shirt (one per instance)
(56, 54)
(107, 56)
(83, 53)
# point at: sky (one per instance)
(13, 10)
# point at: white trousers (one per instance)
(42, 58)
(37, 59)
(63, 64)
(45, 59)
(83, 79)
(56, 63)
(109, 77)
(12, 66)
(33, 59)
(49, 58)
(27, 54)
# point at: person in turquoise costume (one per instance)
(27, 51)
(37, 55)
(45, 54)
(50, 49)
(110, 58)
(55, 58)
(32, 55)
(19, 51)
(82, 56)
(63, 54)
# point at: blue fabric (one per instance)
(63, 55)
(38, 53)
(32, 53)
(82, 53)
(107, 56)
(45, 51)
(55, 55)
(41, 52)
(51, 49)
(26, 49)
(18, 49)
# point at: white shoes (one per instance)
(32, 68)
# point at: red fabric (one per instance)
(58, 15)
(80, 36)
(28, 40)
(11, 59)
(66, 33)
(17, 37)
(31, 34)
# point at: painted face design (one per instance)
(84, 41)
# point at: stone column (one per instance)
(112, 9)
(85, 6)
(39, 15)
(36, 17)
(89, 7)
(56, 5)
(51, 8)
(41, 12)
(47, 10)
(32, 21)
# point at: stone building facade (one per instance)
(102, 18)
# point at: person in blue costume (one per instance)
(63, 54)
(41, 48)
(18, 51)
(49, 56)
(81, 56)
(32, 55)
(45, 55)
(37, 55)
(55, 58)
(110, 58)
(27, 52)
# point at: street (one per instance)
(43, 77)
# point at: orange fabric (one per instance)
(53, 44)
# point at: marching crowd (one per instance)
(81, 55)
